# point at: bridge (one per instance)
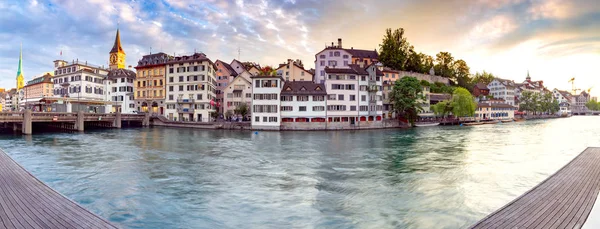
(26, 120)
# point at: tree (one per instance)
(242, 110)
(426, 63)
(526, 101)
(228, 114)
(554, 107)
(404, 97)
(268, 71)
(546, 101)
(214, 114)
(483, 77)
(394, 49)
(592, 105)
(462, 74)
(443, 65)
(463, 104)
(413, 63)
(442, 108)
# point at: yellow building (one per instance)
(149, 85)
(117, 55)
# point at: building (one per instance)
(78, 86)
(149, 88)
(495, 109)
(225, 74)
(8, 100)
(293, 70)
(335, 56)
(579, 102)
(238, 92)
(36, 91)
(117, 55)
(119, 87)
(266, 102)
(503, 89)
(191, 88)
(480, 89)
(302, 103)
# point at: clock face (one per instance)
(113, 58)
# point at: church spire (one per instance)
(20, 78)
(117, 46)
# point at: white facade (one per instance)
(303, 102)
(342, 95)
(119, 85)
(266, 102)
(331, 57)
(237, 92)
(494, 111)
(190, 88)
(81, 83)
(503, 89)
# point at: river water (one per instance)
(432, 177)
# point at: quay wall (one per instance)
(384, 124)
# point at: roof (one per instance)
(191, 58)
(154, 60)
(303, 88)
(120, 73)
(481, 86)
(117, 46)
(354, 69)
(47, 78)
(265, 77)
(495, 105)
(439, 96)
(228, 67)
(359, 53)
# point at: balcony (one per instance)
(373, 88)
(185, 110)
(185, 101)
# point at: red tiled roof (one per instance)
(303, 88)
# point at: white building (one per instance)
(119, 86)
(335, 56)
(503, 89)
(238, 92)
(494, 110)
(303, 102)
(265, 102)
(80, 86)
(190, 88)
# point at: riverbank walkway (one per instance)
(26, 202)
(563, 200)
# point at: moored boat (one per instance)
(424, 124)
(473, 123)
(491, 122)
(507, 120)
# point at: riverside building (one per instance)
(266, 102)
(149, 86)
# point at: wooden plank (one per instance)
(563, 200)
(26, 202)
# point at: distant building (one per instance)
(149, 85)
(119, 87)
(266, 102)
(225, 74)
(36, 91)
(191, 88)
(503, 89)
(579, 102)
(335, 56)
(293, 70)
(480, 89)
(238, 92)
(78, 86)
(494, 110)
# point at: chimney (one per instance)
(339, 42)
(331, 44)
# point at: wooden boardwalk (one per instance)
(564, 200)
(26, 202)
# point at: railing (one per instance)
(185, 100)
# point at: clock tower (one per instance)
(117, 55)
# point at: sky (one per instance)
(554, 40)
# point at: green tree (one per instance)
(242, 110)
(463, 104)
(546, 101)
(425, 83)
(413, 63)
(554, 107)
(228, 114)
(442, 108)
(483, 77)
(394, 49)
(404, 97)
(444, 65)
(592, 105)
(426, 63)
(462, 74)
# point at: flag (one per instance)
(60, 52)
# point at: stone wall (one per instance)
(426, 77)
(388, 123)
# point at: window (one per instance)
(364, 108)
(318, 108)
(302, 108)
(318, 98)
(341, 97)
(180, 87)
(265, 119)
(345, 56)
(351, 87)
(322, 56)
(345, 63)
(336, 53)
(332, 63)
(170, 97)
(180, 78)
(272, 119)
(256, 119)
(363, 98)
(322, 73)
(352, 97)
(302, 98)
(336, 108)
(248, 95)
(287, 108)
(171, 70)
(331, 97)
(352, 108)
(322, 63)
(287, 98)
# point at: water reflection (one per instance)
(437, 177)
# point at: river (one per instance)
(432, 177)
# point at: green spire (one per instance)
(20, 70)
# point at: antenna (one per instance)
(150, 50)
(239, 52)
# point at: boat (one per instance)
(473, 123)
(424, 124)
(491, 122)
(507, 120)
